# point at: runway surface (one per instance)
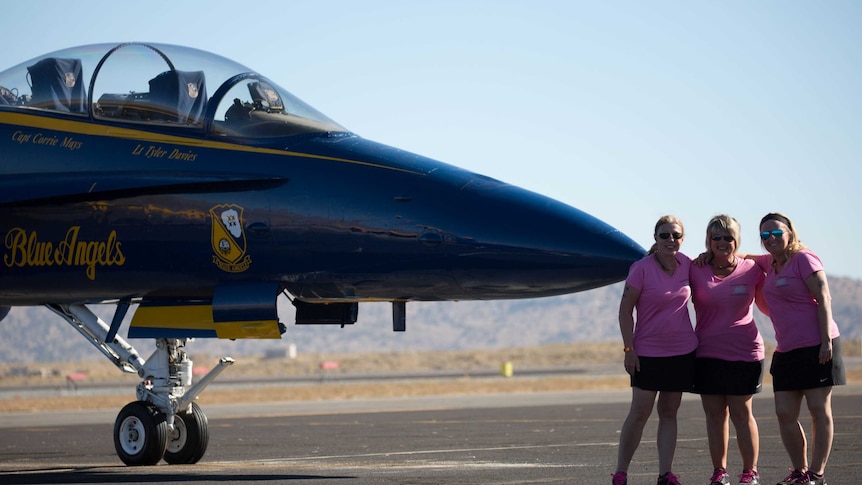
(542, 438)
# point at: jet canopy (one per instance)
(161, 86)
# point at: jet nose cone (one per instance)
(546, 247)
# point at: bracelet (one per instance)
(627, 349)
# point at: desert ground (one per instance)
(591, 365)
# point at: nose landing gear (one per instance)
(165, 422)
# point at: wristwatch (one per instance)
(627, 349)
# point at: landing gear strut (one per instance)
(165, 422)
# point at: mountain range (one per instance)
(35, 334)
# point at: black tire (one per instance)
(188, 442)
(140, 434)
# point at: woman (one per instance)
(659, 351)
(729, 364)
(807, 359)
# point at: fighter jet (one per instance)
(191, 192)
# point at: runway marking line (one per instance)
(384, 454)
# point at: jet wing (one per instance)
(68, 187)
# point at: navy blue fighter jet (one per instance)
(192, 191)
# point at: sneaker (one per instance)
(814, 479)
(719, 477)
(619, 478)
(668, 479)
(795, 477)
(749, 477)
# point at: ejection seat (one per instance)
(182, 93)
(58, 84)
(265, 97)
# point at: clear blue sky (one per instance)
(628, 110)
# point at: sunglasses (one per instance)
(676, 235)
(775, 232)
(719, 237)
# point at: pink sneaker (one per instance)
(814, 479)
(749, 477)
(795, 477)
(719, 477)
(668, 479)
(619, 478)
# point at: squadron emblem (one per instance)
(272, 96)
(228, 239)
(192, 90)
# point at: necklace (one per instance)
(665, 268)
(725, 266)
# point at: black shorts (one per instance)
(729, 378)
(799, 369)
(670, 374)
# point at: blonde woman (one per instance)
(659, 349)
(729, 364)
(807, 359)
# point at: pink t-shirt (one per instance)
(791, 307)
(725, 315)
(662, 327)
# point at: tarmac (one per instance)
(537, 438)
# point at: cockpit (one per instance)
(160, 86)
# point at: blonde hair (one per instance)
(794, 245)
(662, 221)
(722, 223)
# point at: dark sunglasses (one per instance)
(719, 237)
(676, 236)
(775, 232)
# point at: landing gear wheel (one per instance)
(140, 434)
(188, 442)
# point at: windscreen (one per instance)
(159, 84)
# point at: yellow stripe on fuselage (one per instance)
(252, 329)
(96, 129)
(200, 317)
